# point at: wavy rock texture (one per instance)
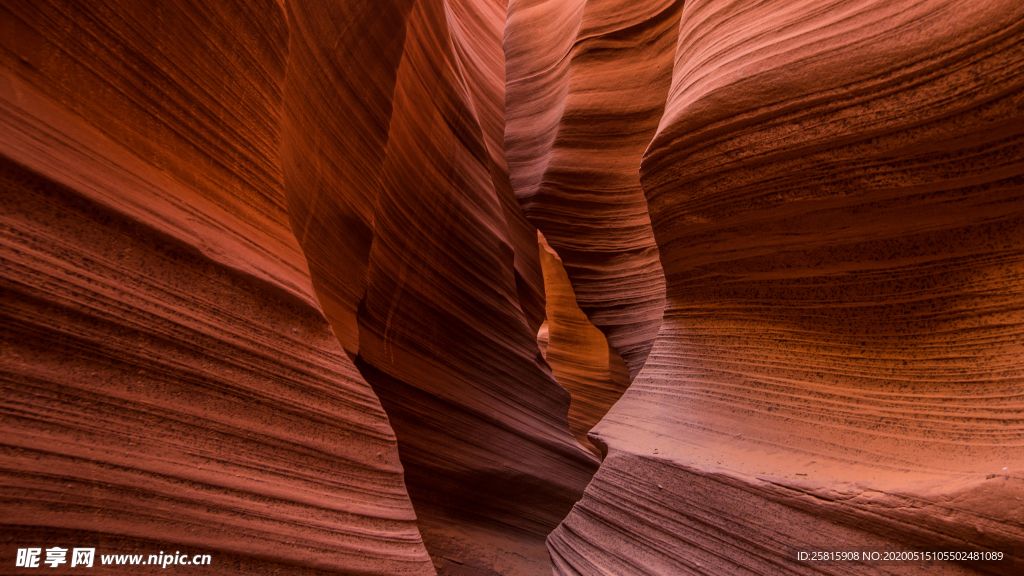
(169, 380)
(578, 353)
(433, 273)
(586, 88)
(836, 192)
(271, 293)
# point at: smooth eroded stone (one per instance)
(444, 280)
(169, 380)
(578, 353)
(587, 83)
(836, 192)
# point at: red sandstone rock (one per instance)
(418, 250)
(446, 297)
(837, 200)
(169, 380)
(586, 87)
(578, 353)
(825, 199)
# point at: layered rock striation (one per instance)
(273, 288)
(579, 354)
(587, 82)
(441, 293)
(169, 381)
(837, 201)
(192, 193)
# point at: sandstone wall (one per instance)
(442, 289)
(835, 192)
(169, 379)
(273, 291)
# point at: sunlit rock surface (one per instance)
(273, 288)
(587, 82)
(578, 353)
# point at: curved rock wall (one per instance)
(202, 147)
(578, 353)
(168, 378)
(343, 64)
(272, 288)
(452, 294)
(837, 199)
(587, 82)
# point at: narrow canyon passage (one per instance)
(478, 287)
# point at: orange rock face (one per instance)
(273, 288)
(578, 353)
(169, 381)
(586, 87)
(837, 202)
(446, 300)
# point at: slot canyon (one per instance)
(512, 287)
